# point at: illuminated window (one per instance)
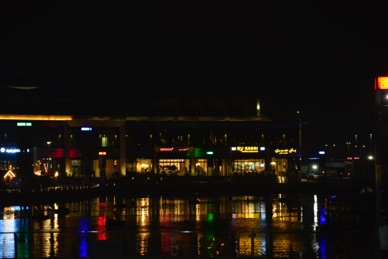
(104, 141)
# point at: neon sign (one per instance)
(9, 150)
(24, 124)
(86, 129)
(164, 149)
(169, 149)
(249, 149)
(285, 151)
(382, 82)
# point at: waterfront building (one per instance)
(223, 136)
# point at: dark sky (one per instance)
(318, 57)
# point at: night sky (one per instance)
(315, 57)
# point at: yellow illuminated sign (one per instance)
(382, 82)
(285, 151)
(251, 149)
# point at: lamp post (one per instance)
(355, 146)
(300, 140)
(348, 143)
(49, 147)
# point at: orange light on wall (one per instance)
(381, 83)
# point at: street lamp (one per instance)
(48, 153)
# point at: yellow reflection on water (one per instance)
(142, 243)
(144, 218)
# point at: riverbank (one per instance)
(120, 187)
(237, 188)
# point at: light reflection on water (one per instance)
(204, 226)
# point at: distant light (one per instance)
(86, 129)
(384, 98)
(321, 152)
(209, 152)
(22, 87)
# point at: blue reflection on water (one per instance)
(84, 227)
(323, 247)
(322, 217)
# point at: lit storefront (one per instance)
(248, 160)
(183, 146)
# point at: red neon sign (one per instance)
(166, 149)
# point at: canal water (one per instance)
(268, 226)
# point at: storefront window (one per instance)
(279, 166)
(143, 165)
(248, 166)
(201, 167)
(174, 166)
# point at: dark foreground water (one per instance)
(270, 226)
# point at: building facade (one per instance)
(164, 142)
